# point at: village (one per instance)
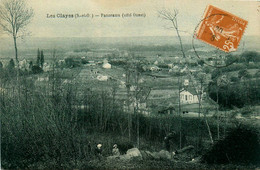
(160, 87)
(158, 79)
(166, 81)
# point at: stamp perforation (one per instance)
(221, 29)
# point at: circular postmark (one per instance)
(223, 32)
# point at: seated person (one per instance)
(115, 150)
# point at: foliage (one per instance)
(38, 130)
(235, 94)
(11, 65)
(70, 62)
(41, 59)
(201, 62)
(245, 57)
(15, 16)
(30, 65)
(38, 61)
(48, 128)
(118, 62)
(250, 56)
(234, 79)
(235, 91)
(243, 73)
(49, 124)
(247, 110)
(1, 65)
(84, 61)
(240, 146)
(36, 69)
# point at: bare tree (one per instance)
(14, 17)
(128, 85)
(172, 17)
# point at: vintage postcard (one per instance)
(130, 84)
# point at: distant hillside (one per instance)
(67, 44)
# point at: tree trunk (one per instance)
(137, 109)
(182, 50)
(210, 135)
(218, 115)
(180, 122)
(15, 48)
(128, 103)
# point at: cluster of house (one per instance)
(173, 66)
(26, 65)
(188, 95)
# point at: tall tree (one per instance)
(30, 65)
(14, 17)
(11, 64)
(172, 17)
(128, 85)
(42, 59)
(38, 62)
(1, 65)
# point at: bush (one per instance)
(70, 62)
(118, 62)
(11, 65)
(36, 69)
(41, 129)
(247, 110)
(84, 61)
(240, 146)
(234, 79)
(123, 146)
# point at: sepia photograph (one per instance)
(130, 84)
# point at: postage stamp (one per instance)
(221, 29)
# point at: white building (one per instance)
(43, 79)
(24, 65)
(186, 82)
(106, 66)
(102, 78)
(142, 107)
(170, 66)
(155, 68)
(188, 96)
(47, 67)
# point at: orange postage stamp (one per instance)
(221, 29)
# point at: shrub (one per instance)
(123, 146)
(36, 69)
(70, 62)
(11, 65)
(240, 146)
(234, 79)
(84, 61)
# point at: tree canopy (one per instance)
(14, 17)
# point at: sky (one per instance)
(190, 14)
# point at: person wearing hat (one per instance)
(167, 139)
(115, 150)
(98, 150)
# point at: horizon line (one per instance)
(113, 36)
